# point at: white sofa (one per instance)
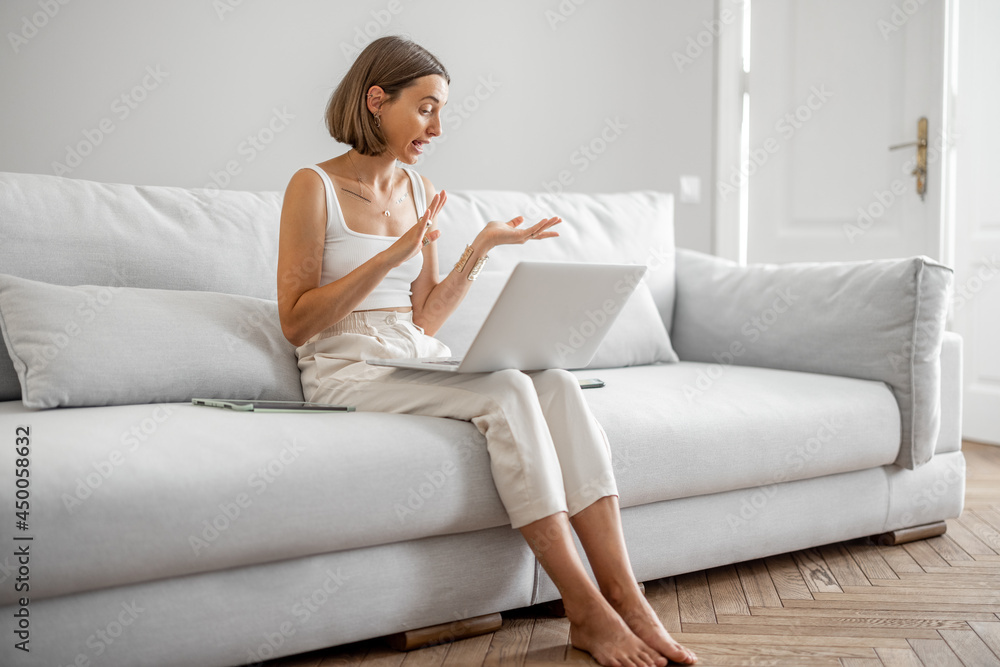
(812, 403)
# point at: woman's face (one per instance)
(411, 120)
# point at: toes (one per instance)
(656, 659)
(646, 655)
(686, 656)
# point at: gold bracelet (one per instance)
(474, 273)
(464, 259)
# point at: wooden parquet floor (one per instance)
(933, 603)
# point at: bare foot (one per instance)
(640, 617)
(598, 630)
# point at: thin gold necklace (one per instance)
(385, 208)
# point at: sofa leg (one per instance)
(444, 632)
(555, 607)
(912, 534)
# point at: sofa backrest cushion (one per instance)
(631, 227)
(74, 232)
(99, 345)
(878, 320)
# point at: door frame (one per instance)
(729, 233)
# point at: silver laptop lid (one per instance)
(551, 315)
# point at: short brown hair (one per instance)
(391, 62)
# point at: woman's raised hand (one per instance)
(503, 233)
(412, 242)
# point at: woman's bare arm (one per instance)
(304, 307)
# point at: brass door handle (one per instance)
(921, 143)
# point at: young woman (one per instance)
(358, 279)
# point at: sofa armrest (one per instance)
(950, 437)
(877, 320)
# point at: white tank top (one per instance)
(345, 250)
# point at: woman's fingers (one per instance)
(418, 236)
(437, 203)
(538, 231)
(509, 232)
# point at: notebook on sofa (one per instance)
(548, 315)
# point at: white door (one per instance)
(977, 211)
(832, 85)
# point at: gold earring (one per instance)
(378, 120)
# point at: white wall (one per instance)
(562, 72)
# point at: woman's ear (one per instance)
(376, 96)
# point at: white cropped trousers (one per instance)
(547, 452)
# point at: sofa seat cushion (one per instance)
(686, 429)
(139, 492)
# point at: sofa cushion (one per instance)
(68, 231)
(631, 228)
(877, 320)
(139, 236)
(638, 336)
(227, 489)
(96, 345)
(688, 429)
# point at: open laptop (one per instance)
(549, 315)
